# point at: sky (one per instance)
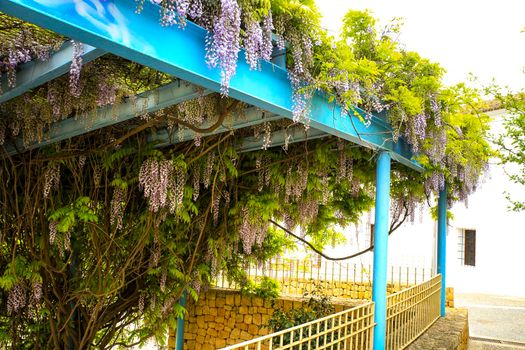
(482, 37)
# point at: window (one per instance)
(467, 247)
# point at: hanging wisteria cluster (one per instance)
(52, 179)
(75, 68)
(24, 294)
(118, 206)
(163, 184)
(223, 44)
(20, 43)
(252, 231)
(100, 84)
(258, 41)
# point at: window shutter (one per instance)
(470, 247)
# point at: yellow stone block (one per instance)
(220, 343)
(245, 335)
(253, 329)
(219, 302)
(224, 334)
(200, 339)
(201, 321)
(235, 334)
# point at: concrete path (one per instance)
(491, 345)
(495, 322)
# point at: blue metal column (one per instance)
(381, 248)
(179, 340)
(442, 246)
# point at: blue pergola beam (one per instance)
(36, 73)
(113, 24)
(279, 137)
(250, 117)
(147, 102)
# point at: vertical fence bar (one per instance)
(381, 248)
(442, 245)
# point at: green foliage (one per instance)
(443, 124)
(264, 287)
(316, 306)
(511, 144)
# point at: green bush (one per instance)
(266, 288)
(317, 306)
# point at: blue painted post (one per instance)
(442, 246)
(381, 248)
(179, 340)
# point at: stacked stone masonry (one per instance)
(225, 317)
(220, 318)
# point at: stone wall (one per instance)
(450, 297)
(338, 289)
(222, 317)
(225, 317)
(350, 290)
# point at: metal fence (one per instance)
(350, 329)
(411, 312)
(297, 276)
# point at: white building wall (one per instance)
(500, 235)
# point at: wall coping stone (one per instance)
(447, 333)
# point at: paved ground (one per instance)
(498, 319)
(491, 345)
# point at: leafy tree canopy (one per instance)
(511, 144)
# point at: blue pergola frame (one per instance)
(114, 27)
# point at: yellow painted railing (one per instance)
(350, 329)
(411, 312)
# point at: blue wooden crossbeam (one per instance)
(114, 27)
(279, 137)
(250, 117)
(36, 73)
(147, 102)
